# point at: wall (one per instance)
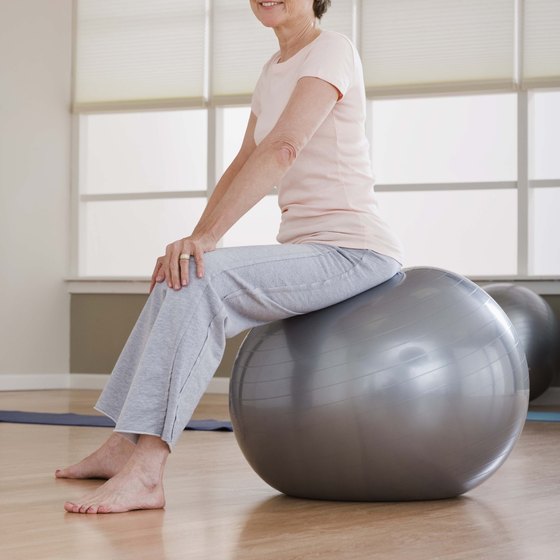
(35, 128)
(554, 302)
(101, 324)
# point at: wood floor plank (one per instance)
(218, 509)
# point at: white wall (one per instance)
(35, 78)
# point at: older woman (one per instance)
(306, 136)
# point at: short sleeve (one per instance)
(256, 97)
(256, 106)
(331, 60)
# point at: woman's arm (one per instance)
(312, 100)
(247, 147)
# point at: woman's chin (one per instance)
(270, 17)
(269, 21)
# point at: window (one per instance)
(144, 152)
(124, 237)
(472, 232)
(436, 160)
(162, 101)
(546, 135)
(546, 247)
(452, 139)
(260, 225)
(545, 175)
(143, 181)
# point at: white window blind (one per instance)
(241, 45)
(437, 44)
(541, 43)
(139, 53)
(135, 54)
(340, 17)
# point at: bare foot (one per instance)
(139, 485)
(127, 491)
(105, 462)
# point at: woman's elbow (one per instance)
(286, 152)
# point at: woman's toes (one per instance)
(105, 509)
(80, 508)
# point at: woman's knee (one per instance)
(215, 262)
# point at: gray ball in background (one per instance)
(537, 329)
(414, 390)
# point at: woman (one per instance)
(306, 136)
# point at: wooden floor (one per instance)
(218, 509)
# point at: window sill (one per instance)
(108, 285)
(542, 285)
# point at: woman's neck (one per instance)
(293, 40)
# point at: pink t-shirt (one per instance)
(327, 196)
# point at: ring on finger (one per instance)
(184, 257)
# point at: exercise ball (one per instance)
(537, 329)
(414, 390)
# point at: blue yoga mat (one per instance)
(95, 421)
(545, 416)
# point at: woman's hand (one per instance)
(173, 267)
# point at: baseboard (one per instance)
(43, 381)
(34, 381)
(88, 380)
(218, 386)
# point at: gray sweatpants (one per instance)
(179, 338)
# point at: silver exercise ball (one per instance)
(537, 329)
(414, 390)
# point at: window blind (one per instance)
(240, 47)
(541, 43)
(169, 53)
(410, 45)
(139, 53)
(144, 53)
(340, 17)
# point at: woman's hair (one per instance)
(320, 7)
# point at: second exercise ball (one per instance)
(537, 328)
(416, 389)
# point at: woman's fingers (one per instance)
(180, 255)
(190, 251)
(198, 255)
(193, 251)
(184, 261)
(174, 266)
(174, 277)
(157, 275)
